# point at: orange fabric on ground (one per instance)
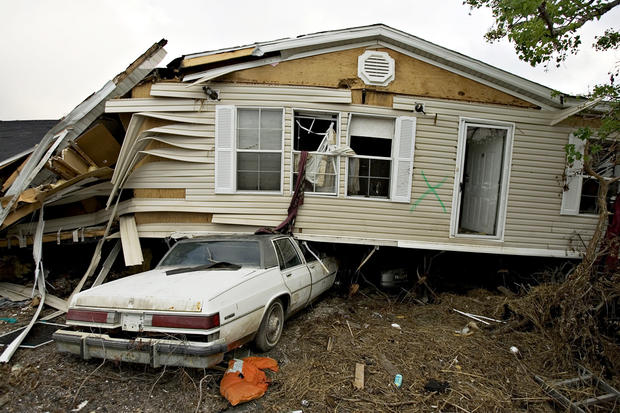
(244, 380)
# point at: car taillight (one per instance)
(186, 321)
(91, 316)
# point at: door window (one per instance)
(287, 254)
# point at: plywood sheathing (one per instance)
(143, 218)
(339, 69)
(373, 98)
(172, 193)
(142, 91)
(100, 146)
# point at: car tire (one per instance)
(270, 328)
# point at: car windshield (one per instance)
(195, 253)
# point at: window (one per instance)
(581, 191)
(316, 133)
(383, 164)
(248, 149)
(287, 254)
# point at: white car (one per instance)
(207, 296)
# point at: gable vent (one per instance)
(375, 68)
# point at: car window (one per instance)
(287, 254)
(244, 253)
(307, 254)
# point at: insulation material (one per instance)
(130, 241)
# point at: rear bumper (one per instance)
(155, 352)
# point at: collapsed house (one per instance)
(410, 145)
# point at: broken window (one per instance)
(369, 171)
(605, 163)
(259, 149)
(316, 132)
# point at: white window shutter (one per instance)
(225, 126)
(402, 165)
(571, 195)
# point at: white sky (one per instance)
(56, 53)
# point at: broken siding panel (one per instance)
(156, 105)
(130, 241)
(253, 93)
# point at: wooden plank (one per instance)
(75, 160)
(19, 213)
(413, 77)
(217, 57)
(82, 154)
(14, 175)
(358, 383)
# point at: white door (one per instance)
(481, 182)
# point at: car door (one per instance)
(294, 271)
(320, 278)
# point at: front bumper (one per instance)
(155, 352)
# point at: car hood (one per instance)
(154, 290)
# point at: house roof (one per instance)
(263, 53)
(18, 137)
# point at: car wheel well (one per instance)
(286, 301)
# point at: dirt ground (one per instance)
(476, 373)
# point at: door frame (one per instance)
(460, 168)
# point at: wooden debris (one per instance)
(330, 344)
(9, 290)
(358, 383)
(387, 365)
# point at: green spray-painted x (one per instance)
(431, 189)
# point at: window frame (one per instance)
(280, 151)
(293, 152)
(391, 158)
(298, 252)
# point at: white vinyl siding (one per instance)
(533, 224)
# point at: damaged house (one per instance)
(409, 145)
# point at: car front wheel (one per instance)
(270, 328)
